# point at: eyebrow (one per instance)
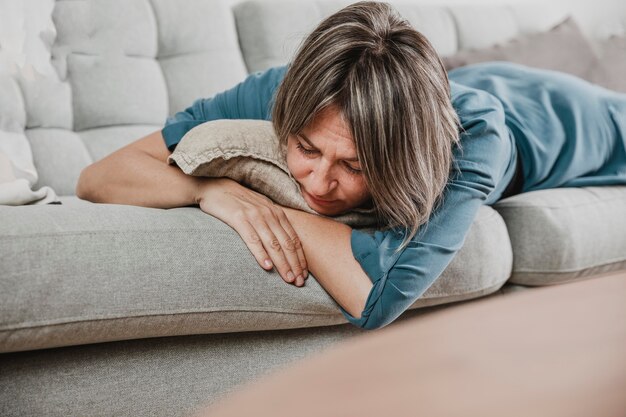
(308, 141)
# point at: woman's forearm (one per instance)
(139, 175)
(329, 257)
(135, 177)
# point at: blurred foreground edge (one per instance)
(554, 351)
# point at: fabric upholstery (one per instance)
(611, 68)
(270, 33)
(479, 25)
(562, 48)
(116, 90)
(106, 64)
(248, 152)
(17, 168)
(557, 235)
(165, 376)
(85, 273)
(46, 142)
(27, 80)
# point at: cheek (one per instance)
(354, 188)
(295, 163)
(359, 191)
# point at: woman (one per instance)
(369, 117)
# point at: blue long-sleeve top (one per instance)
(504, 109)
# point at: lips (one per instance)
(318, 201)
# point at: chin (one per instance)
(327, 212)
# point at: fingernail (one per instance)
(300, 281)
(305, 273)
(268, 263)
(290, 276)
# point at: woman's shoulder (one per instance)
(463, 96)
(267, 79)
(472, 104)
(485, 140)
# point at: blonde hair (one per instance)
(392, 89)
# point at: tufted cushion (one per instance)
(563, 234)
(248, 152)
(112, 73)
(270, 32)
(479, 25)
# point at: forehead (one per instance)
(329, 125)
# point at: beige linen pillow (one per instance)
(248, 152)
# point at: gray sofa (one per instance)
(122, 310)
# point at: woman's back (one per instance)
(565, 128)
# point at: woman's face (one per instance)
(324, 162)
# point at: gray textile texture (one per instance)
(113, 70)
(270, 32)
(164, 376)
(557, 235)
(562, 48)
(85, 273)
(248, 152)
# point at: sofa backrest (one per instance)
(270, 31)
(89, 77)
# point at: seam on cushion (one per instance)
(193, 52)
(488, 216)
(63, 321)
(157, 32)
(473, 292)
(514, 205)
(567, 271)
(226, 155)
(476, 289)
(100, 232)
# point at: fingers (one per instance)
(287, 248)
(267, 240)
(294, 243)
(265, 229)
(283, 248)
(254, 242)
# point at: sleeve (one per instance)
(399, 279)
(250, 99)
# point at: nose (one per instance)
(322, 182)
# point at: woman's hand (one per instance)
(260, 222)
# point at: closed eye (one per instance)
(353, 170)
(305, 150)
(309, 152)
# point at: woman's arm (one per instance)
(138, 175)
(329, 257)
(400, 278)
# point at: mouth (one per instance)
(323, 203)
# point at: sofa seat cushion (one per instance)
(82, 273)
(564, 234)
